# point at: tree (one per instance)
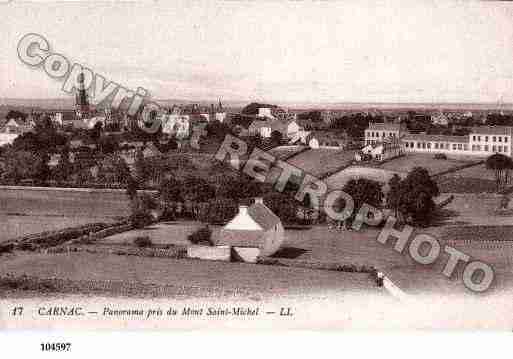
(217, 130)
(64, 167)
(108, 144)
(219, 210)
(502, 165)
(254, 141)
(20, 165)
(15, 114)
(196, 190)
(113, 170)
(363, 191)
(393, 196)
(132, 185)
(170, 195)
(44, 136)
(283, 205)
(416, 193)
(96, 131)
(276, 138)
(141, 170)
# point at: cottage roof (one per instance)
(436, 138)
(493, 130)
(240, 238)
(385, 126)
(263, 216)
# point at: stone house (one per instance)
(255, 231)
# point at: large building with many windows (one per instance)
(482, 140)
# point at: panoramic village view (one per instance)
(221, 199)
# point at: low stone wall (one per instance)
(85, 233)
(175, 252)
(215, 253)
(351, 268)
(12, 283)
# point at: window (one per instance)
(423, 144)
(454, 147)
(473, 138)
(505, 139)
(486, 138)
(473, 147)
(486, 148)
(494, 148)
(505, 148)
(479, 138)
(500, 139)
(460, 146)
(465, 147)
(478, 148)
(429, 145)
(418, 144)
(499, 148)
(436, 145)
(494, 138)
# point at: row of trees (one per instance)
(216, 200)
(502, 166)
(410, 199)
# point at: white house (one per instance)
(288, 129)
(265, 112)
(12, 128)
(255, 231)
(261, 127)
(482, 140)
(175, 124)
(377, 132)
(220, 116)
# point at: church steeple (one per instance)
(82, 104)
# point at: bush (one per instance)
(202, 235)
(143, 242)
(440, 156)
(141, 219)
(218, 211)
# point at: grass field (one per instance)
(475, 179)
(31, 211)
(410, 160)
(282, 152)
(339, 179)
(160, 233)
(318, 162)
(206, 275)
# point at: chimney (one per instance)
(259, 200)
(243, 210)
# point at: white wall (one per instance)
(7, 138)
(449, 151)
(243, 221)
(217, 253)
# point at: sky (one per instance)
(315, 52)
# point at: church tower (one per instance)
(81, 103)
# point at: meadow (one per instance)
(30, 211)
(319, 162)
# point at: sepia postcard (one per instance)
(256, 165)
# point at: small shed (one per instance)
(254, 231)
